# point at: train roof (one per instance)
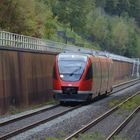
(68, 55)
(103, 54)
(76, 54)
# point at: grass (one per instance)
(132, 104)
(53, 138)
(114, 102)
(71, 34)
(128, 106)
(91, 136)
(120, 137)
(52, 102)
(59, 135)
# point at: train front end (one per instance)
(69, 77)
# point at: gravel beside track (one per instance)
(132, 129)
(69, 123)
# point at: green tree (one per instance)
(118, 7)
(73, 12)
(18, 16)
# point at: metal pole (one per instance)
(138, 65)
(133, 70)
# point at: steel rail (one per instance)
(123, 124)
(135, 82)
(27, 115)
(25, 128)
(100, 118)
(125, 82)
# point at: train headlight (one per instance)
(62, 76)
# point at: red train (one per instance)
(81, 77)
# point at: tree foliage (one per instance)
(114, 25)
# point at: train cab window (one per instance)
(89, 73)
(71, 66)
(71, 70)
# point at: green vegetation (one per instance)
(14, 110)
(52, 102)
(107, 25)
(88, 136)
(132, 104)
(114, 102)
(53, 139)
(60, 134)
(119, 137)
(91, 136)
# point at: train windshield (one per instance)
(71, 69)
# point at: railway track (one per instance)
(30, 125)
(123, 124)
(104, 116)
(27, 115)
(124, 85)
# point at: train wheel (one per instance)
(89, 99)
(111, 89)
(62, 102)
(106, 93)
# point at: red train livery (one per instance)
(81, 77)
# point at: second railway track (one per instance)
(123, 124)
(104, 116)
(124, 85)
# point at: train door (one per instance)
(104, 72)
(108, 83)
(106, 75)
(96, 76)
(102, 76)
(110, 74)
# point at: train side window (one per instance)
(54, 72)
(89, 74)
